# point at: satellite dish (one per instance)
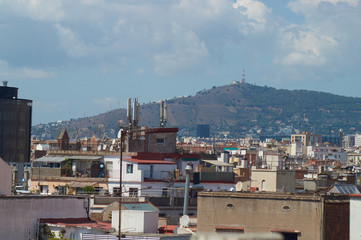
(111, 148)
(99, 147)
(113, 142)
(104, 147)
(184, 221)
(119, 133)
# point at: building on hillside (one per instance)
(306, 139)
(15, 129)
(295, 216)
(203, 131)
(273, 180)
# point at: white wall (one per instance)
(136, 221)
(19, 215)
(355, 217)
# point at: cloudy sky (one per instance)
(81, 58)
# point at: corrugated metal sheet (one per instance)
(140, 206)
(90, 158)
(86, 236)
(218, 163)
(53, 159)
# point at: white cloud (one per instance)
(71, 42)
(304, 47)
(8, 72)
(305, 6)
(37, 9)
(187, 54)
(256, 13)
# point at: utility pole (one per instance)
(120, 182)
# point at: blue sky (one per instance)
(82, 58)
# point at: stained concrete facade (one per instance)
(5, 178)
(271, 180)
(301, 216)
(19, 215)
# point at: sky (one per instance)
(82, 58)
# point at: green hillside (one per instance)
(239, 108)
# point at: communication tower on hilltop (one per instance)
(243, 77)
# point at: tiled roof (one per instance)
(139, 161)
(77, 222)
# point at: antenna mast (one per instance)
(243, 77)
(129, 112)
(163, 113)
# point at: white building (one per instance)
(355, 216)
(327, 153)
(140, 177)
(137, 217)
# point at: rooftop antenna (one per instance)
(135, 113)
(243, 77)
(129, 113)
(163, 113)
(5, 83)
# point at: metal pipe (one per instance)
(186, 190)
(120, 183)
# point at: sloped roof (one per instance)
(77, 222)
(218, 163)
(139, 161)
(53, 159)
(344, 189)
(141, 206)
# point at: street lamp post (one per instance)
(186, 190)
(120, 182)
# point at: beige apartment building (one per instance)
(295, 216)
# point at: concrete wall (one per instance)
(286, 181)
(268, 176)
(260, 213)
(169, 146)
(274, 180)
(5, 178)
(311, 216)
(19, 215)
(136, 221)
(355, 217)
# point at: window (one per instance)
(160, 140)
(263, 187)
(129, 168)
(226, 229)
(133, 192)
(116, 191)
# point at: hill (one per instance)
(239, 108)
